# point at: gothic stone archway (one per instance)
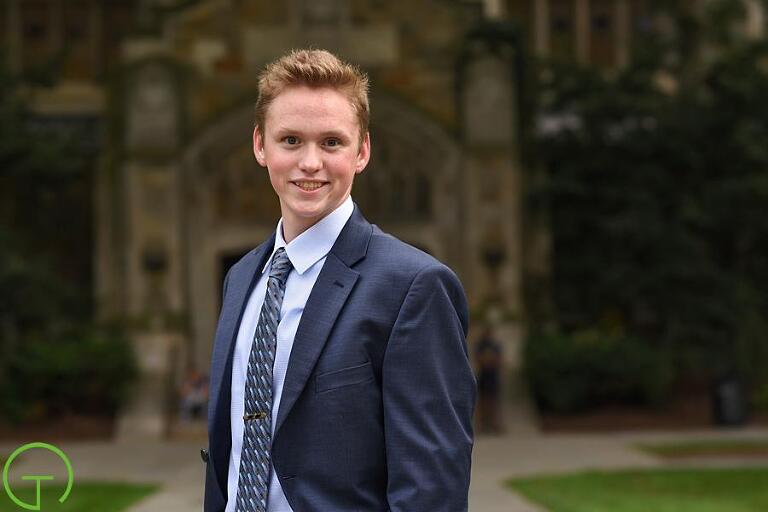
(411, 188)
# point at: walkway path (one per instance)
(177, 466)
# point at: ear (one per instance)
(363, 154)
(258, 147)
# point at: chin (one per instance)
(308, 213)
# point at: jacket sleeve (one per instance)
(214, 500)
(429, 397)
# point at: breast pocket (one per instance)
(344, 377)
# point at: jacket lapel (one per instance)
(241, 281)
(325, 302)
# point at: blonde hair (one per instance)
(313, 68)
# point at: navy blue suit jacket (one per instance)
(378, 398)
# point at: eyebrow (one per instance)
(285, 130)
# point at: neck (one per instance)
(294, 225)
(291, 229)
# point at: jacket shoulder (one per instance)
(403, 262)
(391, 252)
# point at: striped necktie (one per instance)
(255, 467)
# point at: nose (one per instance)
(311, 159)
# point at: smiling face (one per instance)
(312, 148)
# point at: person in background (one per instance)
(193, 396)
(488, 360)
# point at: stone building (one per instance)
(166, 88)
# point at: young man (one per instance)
(340, 379)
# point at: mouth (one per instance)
(310, 186)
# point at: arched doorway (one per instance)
(229, 208)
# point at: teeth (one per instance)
(308, 185)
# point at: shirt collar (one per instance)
(315, 243)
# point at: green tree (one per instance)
(44, 206)
(52, 359)
(658, 186)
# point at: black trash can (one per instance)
(730, 402)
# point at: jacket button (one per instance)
(204, 455)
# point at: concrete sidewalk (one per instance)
(177, 467)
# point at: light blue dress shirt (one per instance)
(307, 253)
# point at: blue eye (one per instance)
(291, 140)
(332, 142)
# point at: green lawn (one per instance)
(85, 497)
(717, 448)
(667, 490)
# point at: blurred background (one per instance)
(595, 171)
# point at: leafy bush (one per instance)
(80, 372)
(760, 398)
(573, 373)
